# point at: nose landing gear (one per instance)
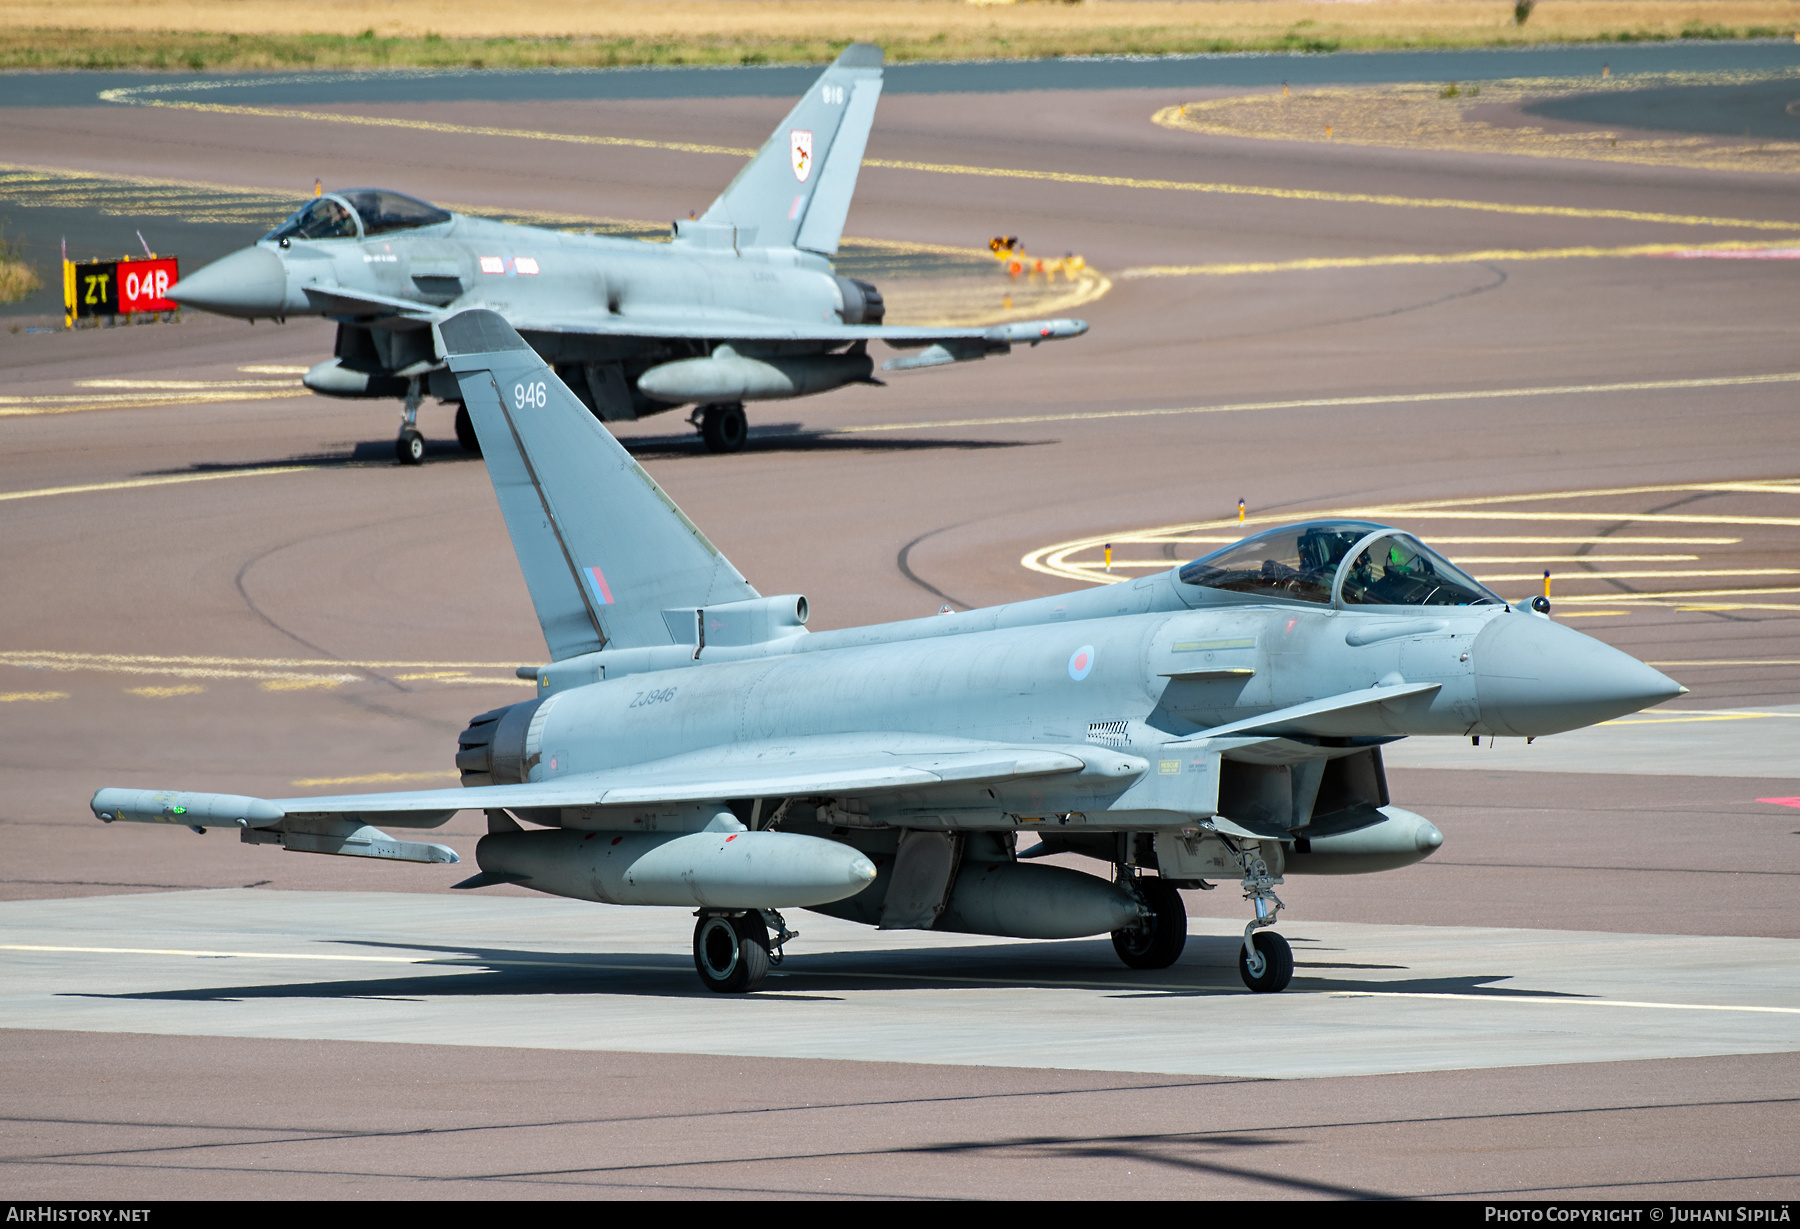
(409, 449)
(1265, 962)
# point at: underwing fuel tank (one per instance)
(1034, 902)
(709, 870)
(1400, 839)
(730, 376)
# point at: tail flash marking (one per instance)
(794, 209)
(598, 579)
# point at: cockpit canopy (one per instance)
(359, 211)
(1351, 563)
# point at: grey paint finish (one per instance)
(1240, 718)
(742, 304)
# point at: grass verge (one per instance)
(17, 279)
(325, 34)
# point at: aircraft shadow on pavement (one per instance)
(658, 447)
(1208, 968)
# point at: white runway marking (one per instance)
(554, 974)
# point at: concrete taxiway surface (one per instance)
(216, 581)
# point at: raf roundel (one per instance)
(1080, 662)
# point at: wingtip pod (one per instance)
(158, 806)
(1030, 332)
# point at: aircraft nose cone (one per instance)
(1534, 676)
(248, 284)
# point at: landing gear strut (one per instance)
(1156, 941)
(409, 449)
(723, 426)
(1265, 962)
(733, 951)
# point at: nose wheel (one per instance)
(724, 427)
(1265, 961)
(1273, 966)
(731, 953)
(409, 449)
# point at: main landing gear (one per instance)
(409, 449)
(733, 951)
(465, 431)
(722, 425)
(1156, 941)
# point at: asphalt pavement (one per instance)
(215, 580)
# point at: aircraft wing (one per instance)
(801, 767)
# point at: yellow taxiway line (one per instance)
(1055, 560)
(1483, 255)
(1310, 403)
(128, 97)
(23, 407)
(126, 484)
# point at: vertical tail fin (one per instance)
(603, 549)
(796, 191)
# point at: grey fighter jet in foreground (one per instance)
(691, 744)
(742, 305)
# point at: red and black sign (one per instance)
(122, 287)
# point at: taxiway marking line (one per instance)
(1692, 720)
(376, 778)
(987, 172)
(424, 125)
(170, 480)
(1718, 661)
(23, 407)
(1633, 575)
(477, 962)
(202, 385)
(77, 661)
(1426, 258)
(1308, 403)
(1557, 999)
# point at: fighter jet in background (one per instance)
(691, 744)
(742, 305)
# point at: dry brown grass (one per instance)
(327, 33)
(17, 279)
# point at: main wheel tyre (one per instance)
(465, 431)
(1157, 943)
(724, 428)
(1275, 963)
(729, 960)
(409, 449)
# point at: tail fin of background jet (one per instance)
(796, 191)
(603, 549)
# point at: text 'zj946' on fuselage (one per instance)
(742, 305)
(692, 744)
